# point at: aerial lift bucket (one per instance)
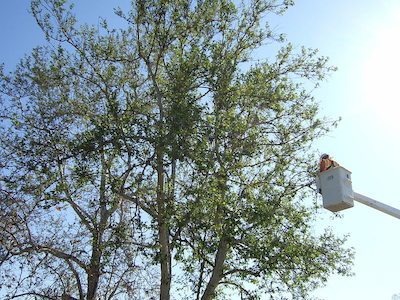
(336, 189)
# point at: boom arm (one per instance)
(377, 205)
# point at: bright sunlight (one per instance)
(381, 79)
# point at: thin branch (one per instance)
(34, 294)
(138, 202)
(78, 281)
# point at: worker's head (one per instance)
(324, 155)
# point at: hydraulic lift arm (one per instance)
(377, 205)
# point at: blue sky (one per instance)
(362, 39)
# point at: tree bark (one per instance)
(97, 244)
(165, 258)
(94, 271)
(163, 235)
(217, 271)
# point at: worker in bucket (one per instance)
(327, 163)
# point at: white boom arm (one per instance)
(377, 205)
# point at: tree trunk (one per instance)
(163, 235)
(218, 270)
(97, 244)
(165, 263)
(93, 275)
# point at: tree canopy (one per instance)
(158, 161)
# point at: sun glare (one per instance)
(381, 77)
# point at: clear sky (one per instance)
(362, 38)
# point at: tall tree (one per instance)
(156, 161)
